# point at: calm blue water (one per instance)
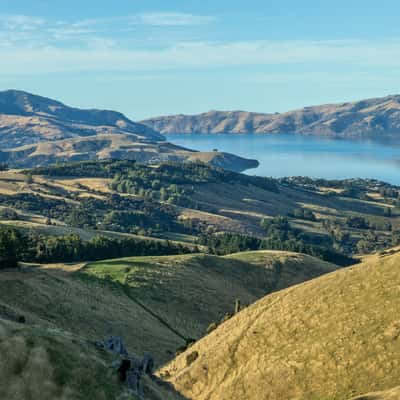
(293, 155)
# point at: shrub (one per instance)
(10, 247)
(8, 214)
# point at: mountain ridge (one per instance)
(369, 117)
(27, 119)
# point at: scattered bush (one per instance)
(10, 247)
(8, 214)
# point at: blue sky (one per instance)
(148, 58)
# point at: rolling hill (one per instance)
(335, 337)
(35, 130)
(123, 199)
(367, 118)
(155, 303)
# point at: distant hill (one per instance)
(35, 130)
(27, 119)
(335, 337)
(116, 146)
(372, 117)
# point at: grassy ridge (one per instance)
(334, 337)
(191, 291)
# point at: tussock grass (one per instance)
(40, 364)
(51, 364)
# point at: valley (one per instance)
(193, 265)
(153, 250)
(158, 304)
(175, 298)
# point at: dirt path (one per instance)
(26, 271)
(59, 267)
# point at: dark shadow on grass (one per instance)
(168, 386)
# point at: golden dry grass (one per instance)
(153, 302)
(97, 184)
(391, 394)
(334, 337)
(91, 308)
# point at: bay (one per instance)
(298, 155)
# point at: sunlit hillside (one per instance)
(334, 337)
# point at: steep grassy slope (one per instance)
(155, 303)
(190, 292)
(371, 117)
(91, 308)
(51, 364)
(334, 337)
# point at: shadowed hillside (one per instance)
(331, 338)
(192, 291)
(155, 303)
(51, 364)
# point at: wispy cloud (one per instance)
(31, 31)
(151, 19)
(201, 55)
(24, 22)
(36, 45)
(175, 19)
